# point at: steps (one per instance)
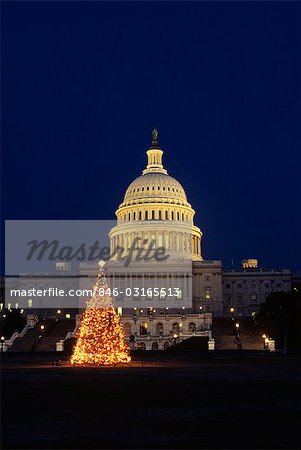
(44, 340)
(27, 342)
(57, 330)
(224, 334)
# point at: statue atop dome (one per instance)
(155, 137)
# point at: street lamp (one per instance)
(237, 325)
(42, 327)
(2, 343)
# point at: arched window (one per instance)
(127, 329)
(160, 215)
(172, 215)
(175, 327)
(143, 329)
(140, 215)
(146, 215)
(191, 327)
(166, 214)
(134, 215)
(155, 346)
(153, 215)
(178, 215)
(166, 345)
(159, 328)
(141, 346)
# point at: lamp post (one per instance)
(237, 336)
(265, 341)
(2, 343)
(175, 338)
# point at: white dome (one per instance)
(157, 185)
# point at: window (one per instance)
(207, 293)
(253, 298)
(127, 329)
(143, 329)
(175, 327)
(239, 299)
(155, 346)
(162, 294)
(228, 286)
(141, 346)
(191, 327)
(207, 278)
(179, 294)
(228, 299)
(159, 328)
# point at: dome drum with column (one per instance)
(155, 207)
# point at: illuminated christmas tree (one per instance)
(101, 339)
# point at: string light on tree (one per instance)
(101, 339)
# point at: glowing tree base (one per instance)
(101, 339)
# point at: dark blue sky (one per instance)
(83, 84)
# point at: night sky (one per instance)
(83, 84)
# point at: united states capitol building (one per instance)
(163, 303)
(155, 207)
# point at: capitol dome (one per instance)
(155, 204)
(161, 185)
